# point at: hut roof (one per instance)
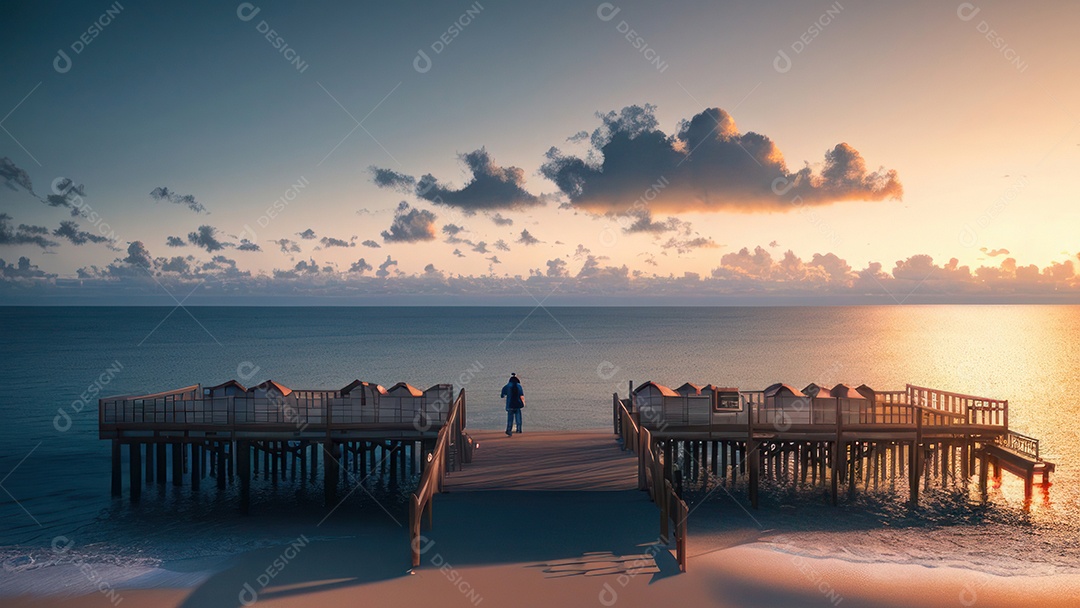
(665, 391)
(227, 384)
(815, 390)
(865, 391)
(845, 391)
(271, 384)
(689, 388)
(355, 383)
(782, 390)
(411, 390)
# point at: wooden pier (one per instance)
(831, 437)
(224, 432)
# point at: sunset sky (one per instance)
(554, 137)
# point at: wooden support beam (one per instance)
(149, 463)
(162, 465)
(330, 473)
(984, 472)
(222, 472)
(178, 464)
(117, 474)
(754, 454)
(243, 466)
(135, 470)
(196, 470)
(837, 468)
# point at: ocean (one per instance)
(55, 471)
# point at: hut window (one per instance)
(727, 401)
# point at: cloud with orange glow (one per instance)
(708, 165)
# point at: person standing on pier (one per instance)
(515, 400)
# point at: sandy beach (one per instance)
(552, 539)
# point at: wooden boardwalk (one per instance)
(584, 461)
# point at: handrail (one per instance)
(652, 476)
(431, 480)
(1021, 444)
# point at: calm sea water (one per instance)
(56, 479)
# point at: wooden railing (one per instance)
(1021, 444)
(651, 477)
(300, 409)
(972, 410)
(448, 455)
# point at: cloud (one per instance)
(452, 229)
(501, 245)
(994, 252)
(14, 176)
(70, 231)
(175, 241)
(491, 187)
(287, 245)
(502, 221)
(178, 264)
(303, 268)
(527, 238)
(329, 241)
(161, 193)
(21, 270)
(138, 255)
(246, 245)
(581, 251)
(494, 259)
(307, 235)
(687, 245)
(360, 266)
(557, 268)
(24, 234)
(206, 237)
(371, 243)
(773, 244)
(410, 225)
(707, 166)
(645, 223)
(384, 268)
(433, 273)
(457, 253)
(480, 247)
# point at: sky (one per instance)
(469, 150)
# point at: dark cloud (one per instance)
(501, 245)
(329, 241)
(387, 178)
(307, 235)
(502, 221)
(303, 268)
(14, 176)
(643, 222)
(206, 237)
(527, 238)
(452, 229)
(432, 272)
(175, 241)
(480, 247)
(24, 234)
(557, 268)
(707, 166)
(138, 255)
(287, 245)
(457, 253)
(410, 225)
(494, 259)
(178, 264)
(360, 266)
(246, 245)
(22, 269)
(70, 231)
(581, 251)
(688, 245)
(384, 268)
(161, 193)
(491, 187)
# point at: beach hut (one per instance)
(853, 404)
(725, 399)
(437, 402)
(658, 404)
(231, 388)
(784, 405)
(697, 402)
(401, 403)
(822, 403)
(359, 402)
